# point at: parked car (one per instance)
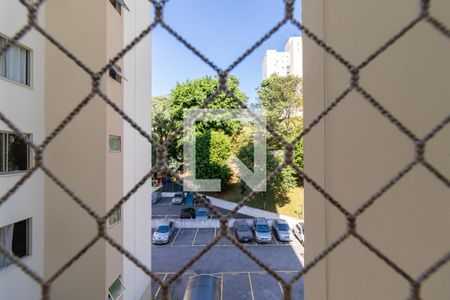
(187, 213)
(203, 286)
(178, 198)
(163, 233)
(156, 196)
(202, 213)
(188, 198)
(299, 232)
(282, 230)
(242, 231)
(262, 231)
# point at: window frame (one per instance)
(109, 144)
(28, 241)
(118, 5)
(29, 64)
(5, 151)
(117, 76)
(119, 278)
(119, 211)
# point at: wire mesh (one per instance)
(161, 166)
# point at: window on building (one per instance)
(15, 63)
(14, 153)
(116, 289)
(118, 4)
(115, 72)
(16, 239)
(115, 143)
(115, 217)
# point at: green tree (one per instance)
(162, 123)
(213, 149)
(281, 97)
(193, 93)
(282, 183)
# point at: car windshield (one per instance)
(201, 213)
(283, 227)
(242, 227)
(163, 229)
(262, 228)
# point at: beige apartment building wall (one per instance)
(79, 155)
(354, 151)
(114, 126)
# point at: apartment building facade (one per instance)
(287, 62)
(22, 98)
(98, 155)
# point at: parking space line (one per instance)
(179, 229)
(159, 288)
(195, 236)
(273, 236)
(251, 286)
(281, 288)
(221, 288)
(215, 229)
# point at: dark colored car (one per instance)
(203, 287)
(187, 213)
(242, 231)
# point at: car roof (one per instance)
(281, 221)
(165, 223)
(202, 209)
(260, 221)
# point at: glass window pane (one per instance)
(20, 239)
(2, 58)
(2, 152)
(114, 143)
(16, 64)
(17, 154)
(116, 289)
(114, 218)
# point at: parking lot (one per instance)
(241, 277)
(164, 210)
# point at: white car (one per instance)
(299, 232)
(178, 198)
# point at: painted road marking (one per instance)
(175, 237)
(195, 236)
(251, 286)
(159, 288)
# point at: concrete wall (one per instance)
(136, 150)
(78, 155)
(355, 150)
(25, 107)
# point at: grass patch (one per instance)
(294, 207)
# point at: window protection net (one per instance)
(161, 166)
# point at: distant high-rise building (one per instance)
(287, 62)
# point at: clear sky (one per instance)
(222, 30)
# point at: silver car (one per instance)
(163, 233)
(282, 230)
(178, 198)
(262, 231)
(299, 232)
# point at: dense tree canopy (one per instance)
(193, 94)
(282, 183)
(281, 97)
(213, 149)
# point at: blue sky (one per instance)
(222, 30)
